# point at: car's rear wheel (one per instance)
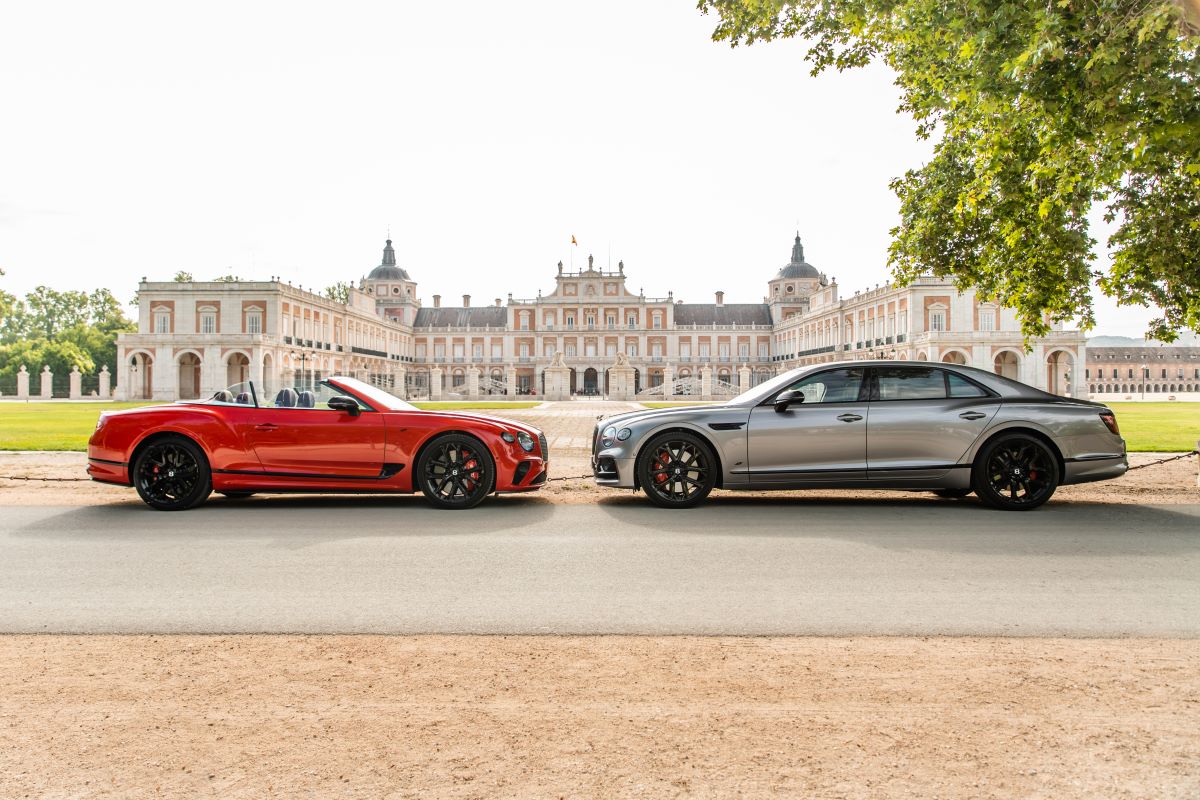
(1015, 472)
(456, 471)
(677, 470)
(171, 474)
(952, 494)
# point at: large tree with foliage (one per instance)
(60, 328)
(1041, 110)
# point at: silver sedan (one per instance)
(876, 425)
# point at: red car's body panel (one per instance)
(252, 448)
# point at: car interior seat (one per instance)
(306, 400)
(286, 398)
(223, 396)
(243, 399)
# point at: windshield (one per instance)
(767, 387)
(375, 396)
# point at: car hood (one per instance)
(500, 422)
(659, 414)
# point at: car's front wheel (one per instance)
(456, 471)
(1015, 472)
(677, 470)
(171, 474)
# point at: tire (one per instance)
(1015, 472)
(172, 474)
(456, 471)
(237, 495)
(677, 470)
(952, 494)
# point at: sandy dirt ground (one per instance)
(1164, 484)
(486, 717)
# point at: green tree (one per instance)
(230, 278)
(339, 292)
(183, 277)
(1040, 111)
(35, 353)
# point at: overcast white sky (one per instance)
(283, 139)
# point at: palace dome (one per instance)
(387, 270)
(798, 267)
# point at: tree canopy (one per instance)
(1041, 111)
(60, 328)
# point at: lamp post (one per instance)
(303, 378)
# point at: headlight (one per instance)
(508, 437)
(526, 441)
(624, 434)
(607, 436)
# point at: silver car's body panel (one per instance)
(903, 444)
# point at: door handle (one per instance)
(849, 417)
(266, 426)
(972, 415)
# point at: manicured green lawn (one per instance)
(51, 426)
(679, 403)
(450, 405)
(1168, 427)
(1165, 427)
(68, 426)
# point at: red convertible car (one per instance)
(339, 435)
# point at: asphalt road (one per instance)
(522, 565)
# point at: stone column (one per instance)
(621, 382)
(105, 383)
(399, 378)
(473, 383)
(510, 380)
(743, 378)
(23, 383)
(706, 382)
(668, 380)
(435, 383)
(75, 390)
(558, 381)
(164, 377)
(47, 382)
(256, 369)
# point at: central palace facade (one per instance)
(197, 337)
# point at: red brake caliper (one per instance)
(471, 463)
(660, 463)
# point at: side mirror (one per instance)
(785, 399)
(343, 403)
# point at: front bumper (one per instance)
(613, 468)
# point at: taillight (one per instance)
(1110, 421)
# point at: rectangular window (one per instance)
(162, 323)
(570, 349)
(632, 321)
(704, 352)
(743, 350)
(610, 350)
(937, 321)
(497, 350)
(631, 350)
(254, 323)
(208, 323)
(589, 349)
(987, 321)
(477, 352)
(910, 383)
(831, 386)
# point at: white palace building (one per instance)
(197, 337)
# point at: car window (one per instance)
(961, 387)
(909, 383)
(833, 386)
(308, 397)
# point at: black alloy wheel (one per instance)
(456, 471)
(952, 494)
(172, 474)
(1015, 472)
(677, 470)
